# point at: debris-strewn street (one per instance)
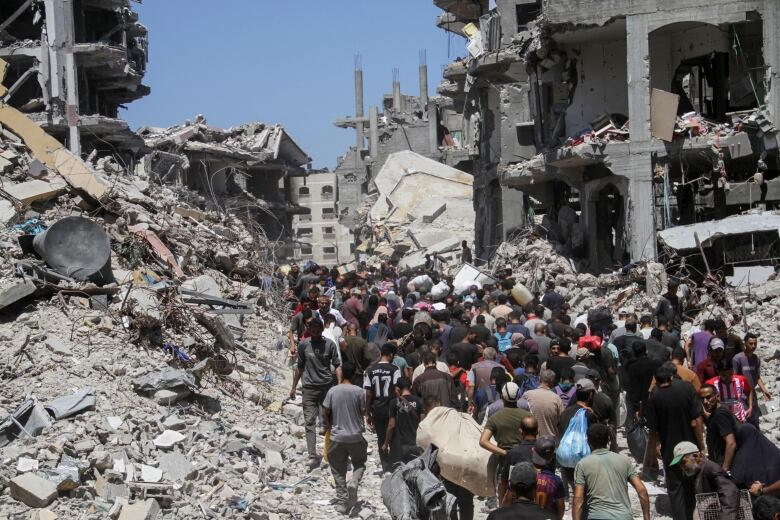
(548, 292)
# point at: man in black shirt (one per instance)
(379, 382)
(482, 332)
(522, 479)
(673, 415)
(640, 375)
(523, 452)
(467, 351)
(406, 411)
(559, 357)
(551, 299)
(721, 427)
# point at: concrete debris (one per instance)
(32, 490)
(422, 207)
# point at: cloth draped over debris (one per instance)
(422, 206)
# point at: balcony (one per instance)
(329, 236)
(304, 218)
(328, 216)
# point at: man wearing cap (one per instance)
(673, 415)
(550, 492)
(522, 480)
(708, 477)
(580, 367)
(504, 428)
(708, 368)
(600, 481)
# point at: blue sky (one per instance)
(288, 62)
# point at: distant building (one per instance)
(319, 236)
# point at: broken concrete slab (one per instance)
(146, 510)
(42, 514)
(58, 346)
(33, 490)
(663, 114)
(176, 466)
(14, 291)
(35, 190)
(168, 439)
(429, 209)
(150, 474)
(739, 145)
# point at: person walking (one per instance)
(316, 355)
(545, 404)
(673, 415)
(379, 383)
(504, 428)
(600, 482)
(406, 412)
(522, 481)
(342, 415)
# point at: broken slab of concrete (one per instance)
(35, 190)
(14, 291)
(146, 510)
(33, 490)
(429, 209)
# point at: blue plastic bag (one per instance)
(574, 443)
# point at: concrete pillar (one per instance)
(641, 213)
(638, 77)
(60, 34)
(512, 210)
(424, 85)
(397, 96)
(433, 127)
(359, 113)
(771, 20)
(373, 132)
(639, 170)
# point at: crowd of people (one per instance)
(379, 349)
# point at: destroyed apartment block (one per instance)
(72, 66)
(249, 168)
(602, 127)
(429, 126)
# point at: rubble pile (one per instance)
(421, 207)
(533, 261)
(151, 384)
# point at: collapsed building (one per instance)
(246, 169)
(71, 67)
(618, 120)
(428, 126)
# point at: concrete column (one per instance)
(373, 131)
(433, 127)
(771, 18)
(638, 77)
(512, 210)
(397, 96)
(359, 113)
(639, 170)
(641, 213)
(424, 85)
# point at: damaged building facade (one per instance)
(248, 169)
(72, 64)
(318, 235)
(615, 120)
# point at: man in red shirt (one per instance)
(707, 369)
(734, 391)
